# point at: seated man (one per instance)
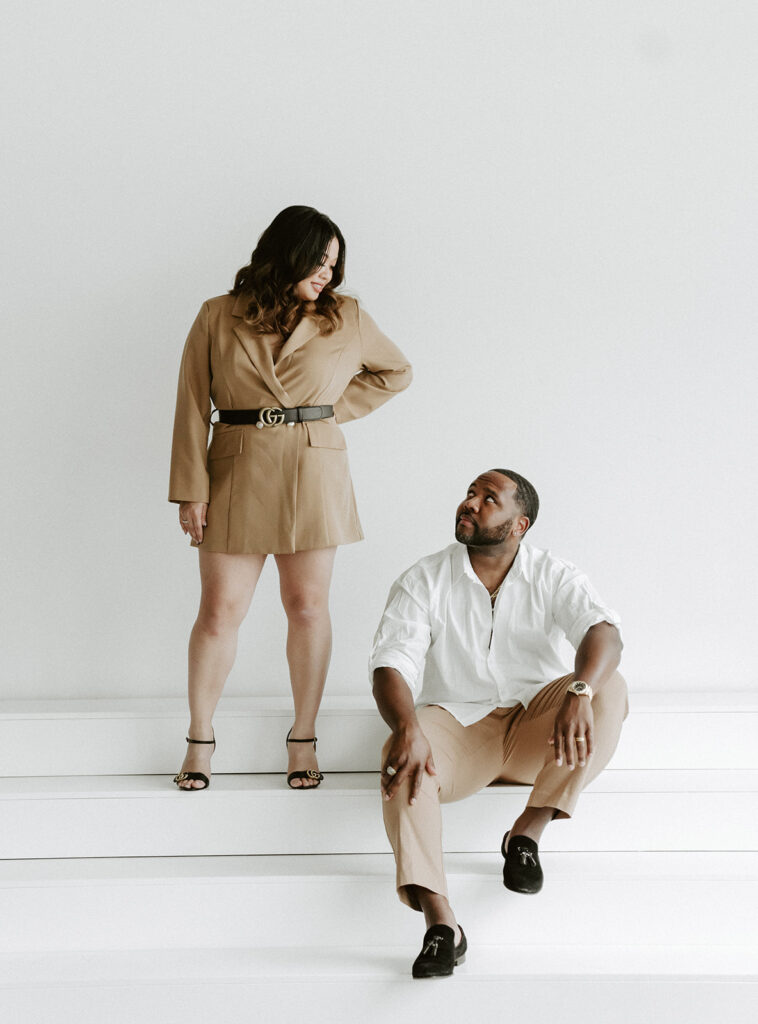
(470, 637)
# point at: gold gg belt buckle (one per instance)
(271, 416)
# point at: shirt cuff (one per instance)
(592, 618)
(401, 664)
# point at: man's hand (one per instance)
(572, 732)
(410, 756)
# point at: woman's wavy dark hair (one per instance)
(290, 249)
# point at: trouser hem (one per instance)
(565, 806)
(425, 882)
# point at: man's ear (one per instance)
(520, 526)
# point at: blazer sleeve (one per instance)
(385, 372)
(189, 479)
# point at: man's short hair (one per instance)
(526, 496)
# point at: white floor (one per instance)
(123, 899)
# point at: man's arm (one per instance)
(598, 655)
(597, 658)
(409, 753)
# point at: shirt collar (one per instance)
(461, 564)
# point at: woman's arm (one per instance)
(385, 372)
(189, 453)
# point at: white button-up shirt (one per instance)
(441, 633)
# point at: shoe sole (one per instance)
(524, 892)
(441, 974)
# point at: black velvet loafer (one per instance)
(522, 871)
(439, 954)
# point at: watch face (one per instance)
(579, 687)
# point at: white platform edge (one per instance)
(579, 961)
(623, 780)
(277, 705)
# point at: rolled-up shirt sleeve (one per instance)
(577, 606)
(403, 636)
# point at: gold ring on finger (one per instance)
(580, 739)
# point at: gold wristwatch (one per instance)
(580, 688)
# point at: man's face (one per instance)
(488, 512)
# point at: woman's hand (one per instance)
(192, 518)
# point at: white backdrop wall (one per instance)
(550, 206)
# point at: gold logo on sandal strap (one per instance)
(271, 416)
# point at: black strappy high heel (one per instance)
(190, 776)
(310, 774)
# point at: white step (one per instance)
(146, 816)
(270, 902)
(130, 737)
(617, 984)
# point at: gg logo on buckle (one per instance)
(270, 417)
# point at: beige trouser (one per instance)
(509, 745)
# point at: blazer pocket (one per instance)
(325, 434)
(224, 444)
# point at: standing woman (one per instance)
(284, 359)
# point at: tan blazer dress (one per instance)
(283, 488)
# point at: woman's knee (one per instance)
(220, 614)
(305, 607)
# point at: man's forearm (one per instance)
(394, 700)
(408, 756)
(598, 655)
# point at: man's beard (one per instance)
(484, 538)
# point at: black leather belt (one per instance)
(273, 416)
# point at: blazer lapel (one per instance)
(302, 333)
(258, 348)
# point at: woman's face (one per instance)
(309, 289)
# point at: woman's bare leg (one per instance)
(228, 584)
(304, 580)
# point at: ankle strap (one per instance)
(201, 741)
(311, 740)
